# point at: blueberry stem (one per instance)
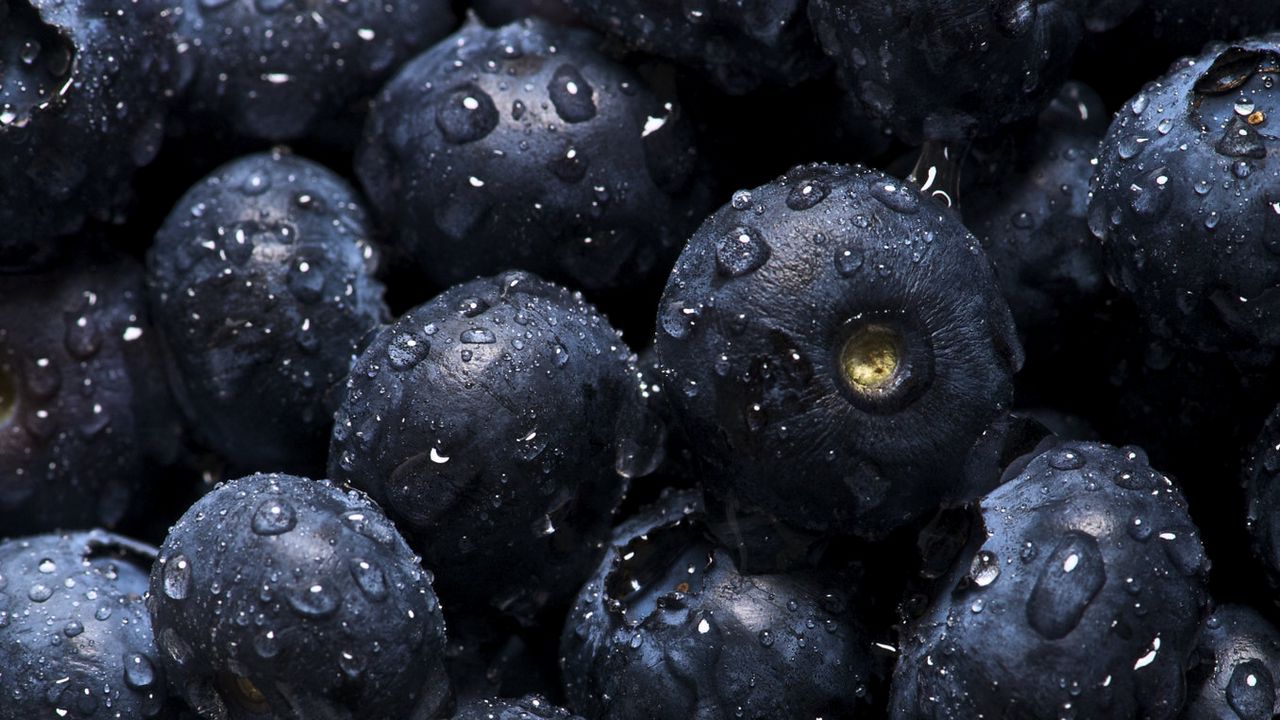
(937, 171)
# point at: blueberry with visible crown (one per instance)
(525, 147)
(279, 596)
(1238, 664)
(279, 69)
(1080, 593)
(1186, 201)
(84, 409)
(75, 638)
(668, 628)
(836, 347)
(262, 281)
(83, 103)
(484, 422)
(950, 70)
(531, 707)
(737, 45)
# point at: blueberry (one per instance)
(484, 422)
(278, 69)
(835, 345)
(75, 638)
(1031, 214)
(667, 627)
(1238, 660)
(524, 147)
(531, 707)
(262, 282)
(739, 45)
(280, 596)
(1187, 206)
(84, 101)
(1079, 595)
(950, 70)
(84, 410)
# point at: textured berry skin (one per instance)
(261, 279)
(1031, 215)
(75, 638)
(524, 147)
(1186, 201)
(483, 421)
(738, 45)
(82, 414)
(530, 707)
(751, 327)
(1238, 662)
(280, 596)
(950, 70)
(675, 631)
(84, 104)
(1079, 596)
(275, 69)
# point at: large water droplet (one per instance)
(571, 94)
(1071, 577)
(176, 577)
(741, 251)
(466, 114)
(370, 579)
(273, 517)
(316, 601)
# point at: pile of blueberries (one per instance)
(640, 359)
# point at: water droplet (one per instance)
(896, 196)
(370, 579)
(176, 577)
(807, 194)
(405, 351)
(39, 592)
(313, 601)
(477, 336)
(1070, 578)
(741, 200)
(984, 569)
(466, 114)
(741, 251)
(139, 673)
(848, 261)
(273, 517)
(1066, 459)
(571, 95)
(677, 320)
(766, 638)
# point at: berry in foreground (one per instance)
(837, 346)
(484, 423)
(261, 280)
(282, 596)
(1080, 594)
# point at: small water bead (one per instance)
(984, 569)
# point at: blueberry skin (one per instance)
(282, 597)
(751, 327)
(1238, 663)
(1080, 595)
(84, 104)
(668, 628)
(950, 70)
(262, 281)
(737, 45)
(75, 638)
(484, 422)
(1184, 202)
(525, 147)
(277, 69)
(1031, 214)
(530, 707)
(84, 411)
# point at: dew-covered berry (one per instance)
(84, 96)
(668, 628)
(524, 147)
(835, 347)
(75, 637)
(85, 413)
(1079, 595)
(278, 69)
(279, 596)
(1186, 201)
(262, 282)
(484, 421)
